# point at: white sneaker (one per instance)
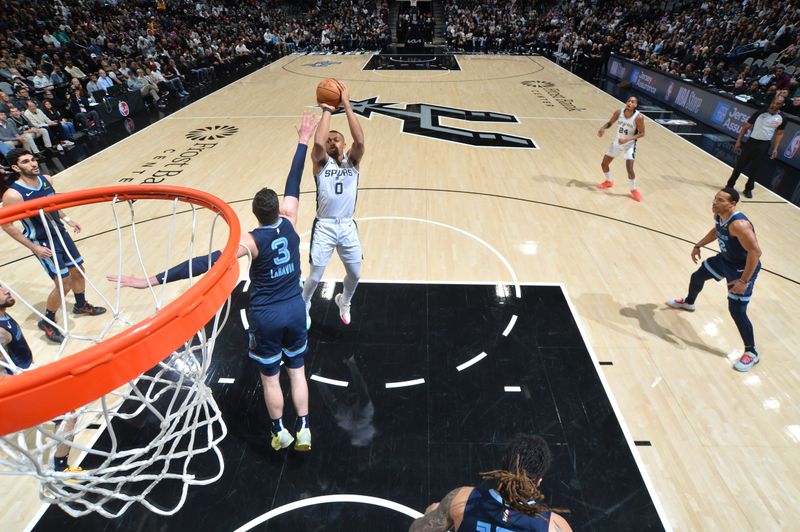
(681, 304)
(60, 148)
(67, 143)
(282, 440)
(344, 310)
(303, 442)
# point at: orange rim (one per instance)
(36, 396)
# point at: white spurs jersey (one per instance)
(625, 126)
(337, 188)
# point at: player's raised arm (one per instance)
(357, 149)
(319, 155)
(291, 193)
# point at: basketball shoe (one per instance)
(282, 440)
(681, 304)
(606, 184)
(636, 194)
(344, 310)
(50, 332)
(303, 442)
(747, 361)
(88, 310)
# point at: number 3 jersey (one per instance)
(337, 188)
(275, 272)
(626, 126)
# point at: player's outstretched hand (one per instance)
(306, 128)
(128, 281)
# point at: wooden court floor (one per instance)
(724, 449)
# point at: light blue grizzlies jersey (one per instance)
(729, 246)
(337, 189)
(33, 228)
(275, 272)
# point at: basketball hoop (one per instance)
(152, 374)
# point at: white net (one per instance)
(163, 426)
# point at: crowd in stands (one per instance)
(748, 48)
(57, 59)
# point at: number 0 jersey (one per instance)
(337, 189)
(275, 272)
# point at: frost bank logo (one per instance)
(720, 113)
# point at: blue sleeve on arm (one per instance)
(296, 173)
(199, 265)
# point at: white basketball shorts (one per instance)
(628, 149)
(339, 234)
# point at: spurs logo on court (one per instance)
(539, 83)
(323, 64)
(423, 119)
(212, 132)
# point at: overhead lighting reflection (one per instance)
(327, 290)
(529, 247)
(772, 404)
(794, 432)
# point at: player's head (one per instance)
(725, 200)
(632, 103)
(6, 299)
(23, 162)
(266, 206)
(527, 454)
(335, 144)
(525, 462)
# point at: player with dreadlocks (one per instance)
(510, 502)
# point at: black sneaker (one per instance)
(748, 193)
(51, 332)
(88, 310)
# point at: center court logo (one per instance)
(322, 64)
(425, 120)
(720, 113)
(212, 132)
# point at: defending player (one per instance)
(59, 259)
(276, 315)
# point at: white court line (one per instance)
(662, 513)
(226, 380)
(470, 362)
(512, 388)
(324, 499)
(243, 314)
(332, 382)
(403, 384)
(510, 325)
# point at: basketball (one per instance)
(328, 93)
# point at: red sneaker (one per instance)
(606, 184)
(636, 195)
